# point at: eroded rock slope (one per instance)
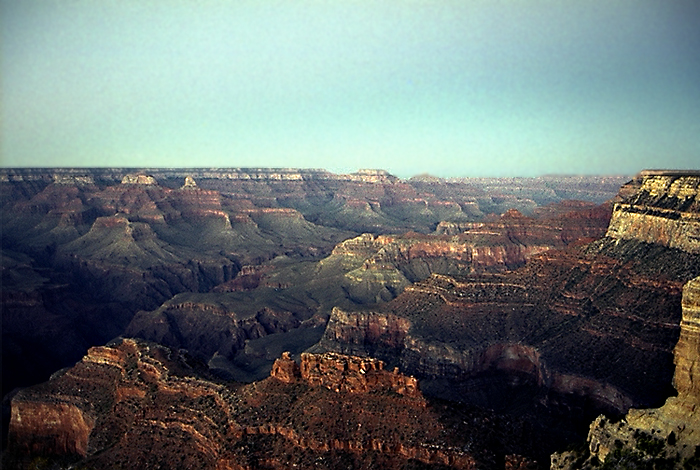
(591, 327)
(139, 405)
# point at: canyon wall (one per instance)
(595, 322)
(668, 436)
(663, 209)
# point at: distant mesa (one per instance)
(139, 178)
(660, 172)
(367, 175)
(68, 179)
(426, 178)
(190, 183)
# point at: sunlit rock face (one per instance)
(661, 209)
(340, 372)
(687, 353)
(138, 178)
(664, 209)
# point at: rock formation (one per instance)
(138, 404)
(190, 183)
(138, 178)
(587, 329)
(664, 209)
(342, 373)
(666, 437)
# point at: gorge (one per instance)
(280, 318)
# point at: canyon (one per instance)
(258, 314)
(84, 250)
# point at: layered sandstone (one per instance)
(355, 375)
(343, 373)
(546, 322)
(383, 266)
(663, 209)
(686, 379)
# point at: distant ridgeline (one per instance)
(542, 190)
(112, 175)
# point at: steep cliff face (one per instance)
(686, 378)
(365, 332)
(666, 437)
(664, 209)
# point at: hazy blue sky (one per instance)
(453, 88)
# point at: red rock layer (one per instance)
(138, 405)
(339, 372)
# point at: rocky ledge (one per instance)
(660, 207)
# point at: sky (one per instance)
(450, 88)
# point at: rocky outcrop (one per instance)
(343, 373)
(367, 332)
(190, 183)
(208, 325)
(117, 399)
(664, 209)
(667, 436)
(138, 178)
(355, 375)
(134, 404)
(51, 427)
(686, 379)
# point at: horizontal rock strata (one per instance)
(597, 321)
(669, 435)
(664, 209)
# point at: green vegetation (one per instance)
(650, 444)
